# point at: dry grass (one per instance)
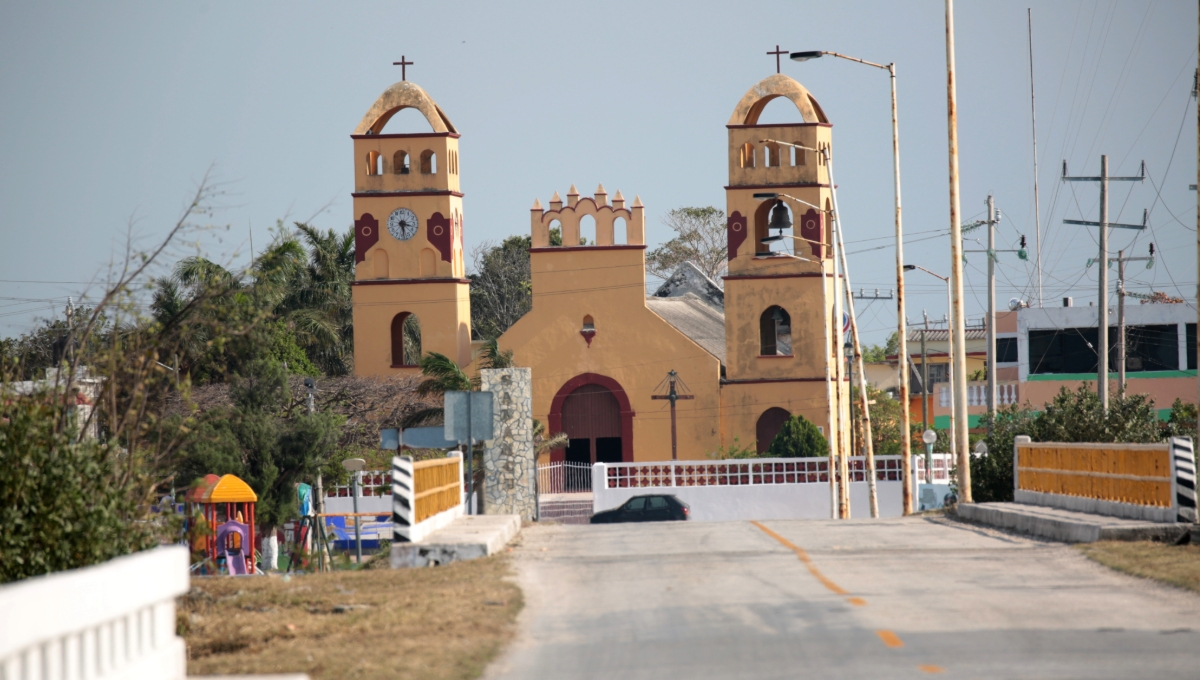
(444, 622)
(1177, 565)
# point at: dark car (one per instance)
(655, 508)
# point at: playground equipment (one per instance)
(233, 499)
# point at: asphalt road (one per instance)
(902, 598)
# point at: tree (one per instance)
(874, 354)
(699, 238)
(798, 438)
(501, 288)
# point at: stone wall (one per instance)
(509, 465)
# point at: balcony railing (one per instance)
(1006, 393)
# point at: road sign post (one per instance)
(468, 420)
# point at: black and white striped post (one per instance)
(403, 499)
(1184, 462)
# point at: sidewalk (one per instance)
(467, 538)
(1067, 525)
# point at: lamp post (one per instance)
(901, 323)
(949, 351)
(355, 467)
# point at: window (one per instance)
(798, 156)
(939, 373)
(374, 163)
(1150, 348)
(773, 155)
(1191, 346)
(636, 504)
(400, 163)
(588, 323)
(775, 332)
(1006, 350)
(428, 162)
(657, 503)
(1073, 350)
(406, 340)
(747, 155)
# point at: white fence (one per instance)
(113, 620)
(1006, 393)
(759, 488)
(564, 477)
(375, 494)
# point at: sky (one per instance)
(112, 113)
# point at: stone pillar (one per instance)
(509, 464)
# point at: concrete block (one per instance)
(1068, 526)
(467, 538)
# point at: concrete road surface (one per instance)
(901, 598)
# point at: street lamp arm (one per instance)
(917, 266)
(804, 56)
(798, 146)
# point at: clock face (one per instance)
(402, 224)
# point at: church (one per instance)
(744, 356)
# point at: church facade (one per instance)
(746, 355)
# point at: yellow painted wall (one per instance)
(444, 310)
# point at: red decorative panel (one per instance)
(810, 228)
(439, 230)
(366, 234)
(736, 229)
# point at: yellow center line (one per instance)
(930, 668)
(889, 638)
(812, 568)
(857, 601)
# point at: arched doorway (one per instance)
(769, 425)
(594, 412)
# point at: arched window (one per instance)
(747, 155)
(555, 232)
(798, 156)
(428, 263)
(428, 162)
(775, 332)
(769, 424)
(400, 163)
(589, 324)
(773, 155)
(406, 340)
(379, 262)
(374, 163)
(620, 231)
(587, 228)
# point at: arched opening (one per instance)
(428, 263)
(555, 233)
(620, 231)
(453, 162)
(594, 412)
(587, 230)
(379, 263)
(774, 152)
(428, 162)
(769, 424)
(778, 111)
(747, 155)
(405, 120)
(798, 156)
(775, 332)
(400, 163)
(374, 163)
(589, 324)
(406, 340)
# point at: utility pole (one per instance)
(1037, 216)
(1120, 259)
(958, 362)
(991, 318)
(672, 395)
(924, 374)
(1102, 297)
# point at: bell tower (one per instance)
(780, 333)
(410, 293)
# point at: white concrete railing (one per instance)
(1006, 393)
(942, 462)
(374, 495)
(112, 620)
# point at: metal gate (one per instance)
(565, 492)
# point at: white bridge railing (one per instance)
(742, 472)
(1006, 393)
(111, 620)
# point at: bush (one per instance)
(798, 438)
(1071, 417)
(64, 503)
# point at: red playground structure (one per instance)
(228, 507)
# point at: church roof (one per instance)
(687, 278)
(403, 95)
(696, 319)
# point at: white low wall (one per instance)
(113, 620)
(381, 505)
(723, 501)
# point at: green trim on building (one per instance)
(943, 422)
(1043, 377)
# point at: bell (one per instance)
(779, 217)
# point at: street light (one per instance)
(949, 349)
(355, 467)
(930, 438)
(901, 323)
